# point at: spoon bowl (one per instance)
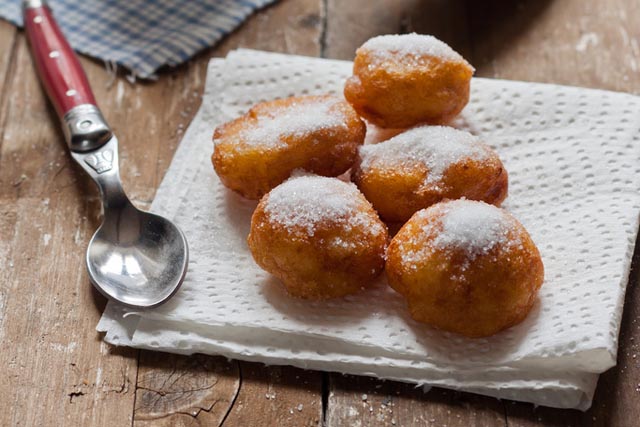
(137, 258)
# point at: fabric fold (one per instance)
(143, 35)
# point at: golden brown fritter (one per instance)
(426, 165)
(465, 267)
(319, 236)
(402, 80)
(256, 152)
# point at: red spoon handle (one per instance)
(60, 71)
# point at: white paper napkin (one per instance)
(573, 158)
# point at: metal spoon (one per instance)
(135, 257)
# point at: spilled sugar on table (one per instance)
(56, 371)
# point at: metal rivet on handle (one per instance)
(54, 54)
(71, 92)
(38, 19)
(85, 124)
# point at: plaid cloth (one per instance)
(143, 35)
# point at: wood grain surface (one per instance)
(56, 370)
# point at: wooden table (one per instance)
(55, 370)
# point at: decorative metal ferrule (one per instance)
(85, 129)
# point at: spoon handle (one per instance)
(90, 139)
(64, 79)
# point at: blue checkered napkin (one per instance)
(143, 35)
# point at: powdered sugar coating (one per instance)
(412, 45)
(301, 118)
(474, 227)
(435, 148)
(477, 227)
(304, 202)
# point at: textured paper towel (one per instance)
(573, 158)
